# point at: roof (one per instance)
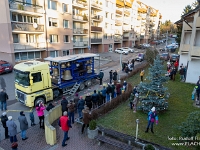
(71, 57)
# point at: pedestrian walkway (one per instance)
(36, 140)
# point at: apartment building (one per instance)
(190, 44)
(35, 29)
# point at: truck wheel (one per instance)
(82, 86)
(93, 81)
(38, 100)
(88, 83)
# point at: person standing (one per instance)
(103, 91)
(152, 117)
(70, 107)
(94, 99)
(142, 75)
(50, 106)
(40, 112)
(65, 125)
(133, 63)
(81, 104)
(3, 83)
(111, 76)
(198, 90)
(118, 88)
(100, 99)
(3, 99)
(23, 125)
(108, 92)
(76, 99)
(181, 72)
(64, 104)
(113, 91)
(115, 76)
(88, 101)
(32, 118)
(86, 118)
(12, 129)
(135, 102)
(101, 75)
(4, 118)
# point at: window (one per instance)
(53, 53)
(81, 51)
(30, 55)
(106, 25)
(65, 52)
(37, 54)
(52, 5)
(112, 16)
(27, 55)
(30, 19)
(54, 38)
(17, 58)
(111, 37)
(23, 56)
(20, 18)
(65, 7)
(106, 3)
(37, 77)
(30, 38)
(106, 15)
(15, 38)
(66, 38)
(53, 22)
(14, 17)
(65, 24)
(105, 36)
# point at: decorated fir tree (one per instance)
(152, 92)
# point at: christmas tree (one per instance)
(152, 93)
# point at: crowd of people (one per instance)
(129, 66)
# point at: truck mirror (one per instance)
(31, 82)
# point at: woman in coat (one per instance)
(23, 125)
(115, 76)
(12, 129)
(86, 118)
(40, 112)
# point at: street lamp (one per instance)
(137, 122)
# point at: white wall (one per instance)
(193, 71)
(183, 59)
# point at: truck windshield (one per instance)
(22, 78)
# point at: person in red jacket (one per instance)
(64, 123)
(176, 64)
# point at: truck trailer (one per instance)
(37, 81)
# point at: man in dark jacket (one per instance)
(4, 118)
(88, 101)
(108, 92)
(76, 99)
(81, 104)
(64, 104)
(103, 91)
(23, 125)
(3, 99)
(94, 99)
(101, 75)
(111, 76)
(50, 106)
(198, 90)
(115, 76)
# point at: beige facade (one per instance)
(35, 29)
(190, 45)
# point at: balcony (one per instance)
(118, 22)
(80, 31)
(127, 4)
(125, 37)
(126, 12)
(80, 44)
(21, 7)
(97, 5)
(195, 52)
(82, 4)
(94, 40)
(139, 18)
(126, 21)
(80, 18)
(184, 48)
(142, 36)
(97, 18)
(117, 39)
(119, 3)
(29, 46)
(96, 29)
(119, 12)
(17, 26)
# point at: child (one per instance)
(31, 115)
(14, 146)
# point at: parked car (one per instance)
(170, 48)
(165, 56)
(174, 57)
(129, 49)
(5, 67)
(121, 51)
(145, 45)
(140, 57)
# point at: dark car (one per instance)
(174, 57)
(5, 67)
(140, 57)
(165, 56)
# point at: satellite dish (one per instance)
(35, 25)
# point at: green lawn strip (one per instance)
(123, 119)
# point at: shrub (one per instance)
(149, 147)
(92, 125)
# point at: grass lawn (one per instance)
(123, 119)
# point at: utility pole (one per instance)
(166, 37)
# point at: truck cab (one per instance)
(34, 82)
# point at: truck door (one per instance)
(37, 82)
